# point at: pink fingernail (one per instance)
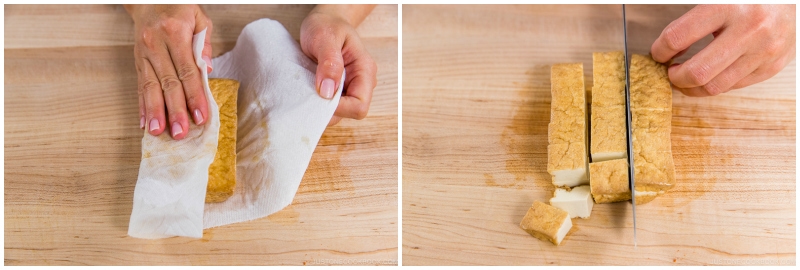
(198, 117)
(176, 129)
(326, 89)
(141, 122)
(154, 124)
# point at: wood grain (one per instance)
(476, 105)
(72, 151)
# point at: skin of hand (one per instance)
(328, 36)
(169, 82)
(751, 44)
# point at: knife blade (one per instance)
(631, 180)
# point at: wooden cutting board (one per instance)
(476, 104)
(72, 151)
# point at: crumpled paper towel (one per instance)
(280, 120)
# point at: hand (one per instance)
(166, 67)
(328, 36)
(751, 44)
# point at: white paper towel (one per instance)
(281, 118)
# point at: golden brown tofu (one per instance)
(222, 172)
(609, 181)
(608, 87)
(567, 131)
(651, 113)
(547, 223)
(608, 133)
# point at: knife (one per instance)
(631, 181)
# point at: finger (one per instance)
(726, 79)
(763, 73)
(707, 64)
(139, 92)
(334, 120)
(686, 30)
(173, 91)
(359, 88)
(153, 98)
(329, 68)
(193, 93)
(141, 110)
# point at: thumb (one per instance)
(203, 22)
(329, 70)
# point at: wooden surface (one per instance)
(476, 101)
(72, 151)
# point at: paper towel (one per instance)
(281, 118)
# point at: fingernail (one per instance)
(326, 89)
(198, 117)
(208, 63)
(141, 122)
(176, 129)
(154, 124)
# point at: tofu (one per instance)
(222, 171)
(608, 133)
(651, 115)
(608, 79)
(547, 223)
(566, 163)
(650, 86)
(567, 155)
(609, 181)
(609, 138)
(576, 201)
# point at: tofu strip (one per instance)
(567, 152)
(608, 107)
(651, 113)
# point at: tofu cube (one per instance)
(609, 181)
(547, 223)
(577, 201)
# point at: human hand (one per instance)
(328, 36)
(751, 44)
(166, 67)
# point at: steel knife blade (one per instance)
(631, 180)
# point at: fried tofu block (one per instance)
(608, 133)
(222, 172)
(608, 87)
(567, 132)
(576, 201)
(547, 223)
(650, 86)
(609, 181)
(651, 115)
(653, 164)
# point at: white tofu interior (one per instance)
(597, 157)
(578, 202)
(570, 178)
(563, 230)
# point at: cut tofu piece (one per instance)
(608, 133)
(547, 223)
(608, 87)
(651, 113)
(650, 86)
(567, 158)
(566, 163)
(609, 181)
(608, 107)
(576, 201)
